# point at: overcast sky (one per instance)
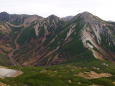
(105, 9)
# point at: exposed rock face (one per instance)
(93, 75)
(33, 40)
(92, 35)
(5, 72)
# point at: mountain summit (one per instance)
(31, 40)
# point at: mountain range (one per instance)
(31, 40)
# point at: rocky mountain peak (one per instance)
(67, 18)
(86, 18)
(4, 16)
(53, 17)
(85, 14)
(3, 13)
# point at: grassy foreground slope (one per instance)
(64, 74)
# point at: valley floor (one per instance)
(95, 73)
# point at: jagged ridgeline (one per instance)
(31, 40)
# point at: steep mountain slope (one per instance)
(34, 40)
(98, 36)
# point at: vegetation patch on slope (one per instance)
(64, 74)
